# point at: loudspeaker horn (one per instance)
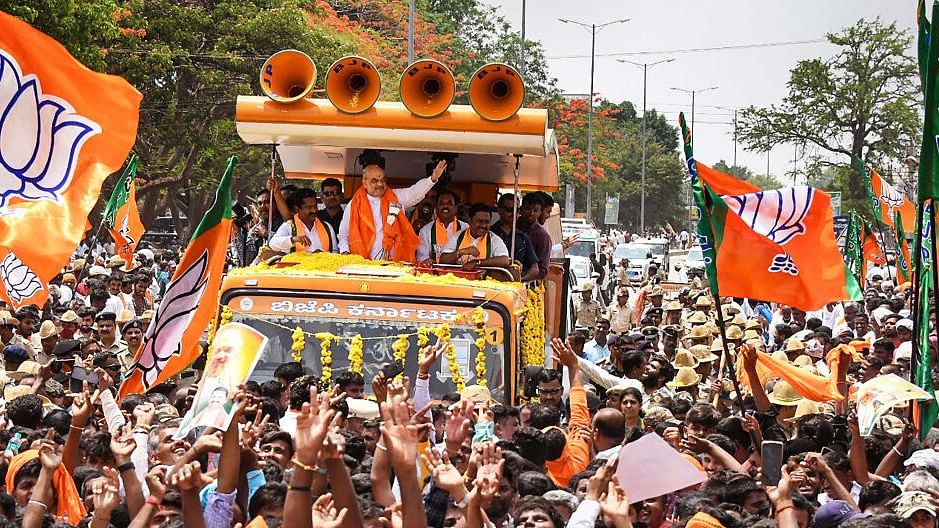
(288, 76)
(353, 84)
(496, 91)
(427, 88)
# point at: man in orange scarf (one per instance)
(305, 231)
(374, 224)
(436, 235)
(475, 246)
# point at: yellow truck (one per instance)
(366, 310)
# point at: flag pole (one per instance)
(883, 247)
(728, 360)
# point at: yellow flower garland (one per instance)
(326, 356)
(533, 336)
(423, 336)
(211, 336)
(226, 316)
(400, 350)
(443, 334)
(479, 321)
(297, 345)
(356, 353)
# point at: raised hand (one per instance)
(438, 170)
(615, 505)
(599, 483)
(144, 413)
(123, 444)
(313, 422)
(254, 430)
(82, 406)
(50, 453)
(334, 446)
(208, 443)
(399, 436)
(380, 387)
(429, 355)
(106, 494)
(156, 481)
(458, 424)
(445, 474)
(325, 514)
(187, 477)
(563, 353)
(490, 461)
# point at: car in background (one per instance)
(587, 243)
(639, 257)
(695, 258)
(659, 250)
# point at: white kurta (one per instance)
(408, 197)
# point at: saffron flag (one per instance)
(885, 199)
(59, 139)
(775, 245)
(904, 263)
(121, 215)
(172, 341)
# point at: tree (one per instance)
(860, 103)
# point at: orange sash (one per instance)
(399, 239)
(482, 245)
(441, 235)
(325, 241)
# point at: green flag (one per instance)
(121, 192)
(925, 412)
(922, 40)
(868, 186)
(929, 158)
(853, 247)
(903, 250)
(704, 229)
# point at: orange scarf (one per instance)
(811, 386)
(325, 241)
(482, 245)
(442, 234)
(399, 239)
(67, 500)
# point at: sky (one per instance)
(754, 76)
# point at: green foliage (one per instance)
(763, 181)
(83, 27)
(861, 102)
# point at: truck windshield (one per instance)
(379, 323)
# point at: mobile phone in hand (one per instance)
(390, 370)
(772, 455)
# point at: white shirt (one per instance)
(498, 246)
(408, 197)
(423, 250)
(281, 239)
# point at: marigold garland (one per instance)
(297, 345)
(443, 334)
(423, 336)
(227, 315)
(326, 356)
(400, 350)
(211, 336)
(356, 353)
(533, 336)
(479, 322)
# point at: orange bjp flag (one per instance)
(63, 130)
(887, 200)
(172, 340)
(121, 215)
(776, 245)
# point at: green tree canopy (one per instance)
(861, 102)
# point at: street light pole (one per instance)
(642, 187)
(411, 32)
(593, 46)
(521, 51)
(693, 134)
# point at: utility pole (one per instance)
(693, 134)
(411, 32)
(593, 46)
(642, 193)
(521, 51)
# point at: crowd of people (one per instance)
(386, 452)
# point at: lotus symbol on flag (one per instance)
(40, 137)
(165, 333)
(19, 281)
(778, 215)
(890, 196)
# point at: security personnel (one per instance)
(588, 310)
